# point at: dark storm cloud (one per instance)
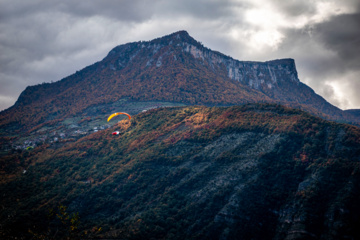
(311, 55)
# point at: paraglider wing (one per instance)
(116, 133)
(118, 113)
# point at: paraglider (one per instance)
(118, 113)
(115, 114)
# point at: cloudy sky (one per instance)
(47, 40)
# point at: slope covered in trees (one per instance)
(255, 171)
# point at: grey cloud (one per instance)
(333, 45)
(203, 9)
(19, 9)
(295, 8)
(341, 34)
(348, 86)
(124, 10)
(353, 91)
(330, 93)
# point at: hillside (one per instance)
(255, 171)
(354, 112)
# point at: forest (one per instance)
(256, 171)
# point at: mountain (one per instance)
(244, 161)
(174, 68)
(256, 171)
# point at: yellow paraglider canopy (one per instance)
(118, 113)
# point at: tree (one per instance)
(64, 226)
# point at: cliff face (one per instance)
(258, 75)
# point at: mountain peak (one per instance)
(183, 33)
(181, 36)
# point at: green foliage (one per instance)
(63, 226)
